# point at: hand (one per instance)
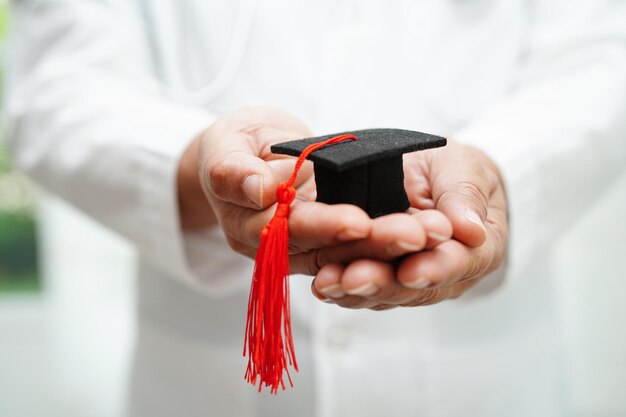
(229, 175)
(238, 176)
(465, 185)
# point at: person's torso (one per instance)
(341, 65)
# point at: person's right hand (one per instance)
(239, 176)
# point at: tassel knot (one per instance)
(285, 194)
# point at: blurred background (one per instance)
(66, 330)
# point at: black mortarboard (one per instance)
(363, 168)
(367, 172)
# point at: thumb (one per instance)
(233, 170)
(461, 190)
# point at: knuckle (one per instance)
(466, 191)
(382, 307)
(238, 226)
(436, 280)
(218, 176)
(229, 218)
(455, 295)
(458, 290)
(472, 192)
(315, 261)
(437, 295)
(477, 266)
(203, 175)
(424, 298)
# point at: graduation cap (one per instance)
(366, 172)
(363, 168)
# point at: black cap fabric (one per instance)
(372, 145)
(367, 172)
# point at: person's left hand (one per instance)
(465, 185)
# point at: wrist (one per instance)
(194, 209)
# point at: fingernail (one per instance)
(418, 284)
(351, 234)
(333, 291)
(325, 300)
(366, 289)
(437, 237)
(253, 189)
(426, 203)
(473, 217)
(409, 247)
(399, 247)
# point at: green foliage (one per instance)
(5, 164)
(18, 252)
(4, 18)
(28, 282)
(18, 240)
(18, 248)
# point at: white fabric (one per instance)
(104, 96)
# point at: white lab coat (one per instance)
(105, 95)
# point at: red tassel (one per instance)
(268, 339)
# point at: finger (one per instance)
(354, 302)
(283, 168)
(390, 236)
(314, 225)
(460, 288)
(451, 262)
(327, 284)
(383, 307)
(462, 184)
(233, 171)
(437, 226)
(371, 284)
(321, 297)
(437, 295)
(241, 248)
(394, 235)
(375, 281)
(334, 280)
(497, 215)
(429, 297)
(311, 224)
(416, 182)
(444, 265)
(418, 190)
(327, 287)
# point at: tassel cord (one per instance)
(268, 337)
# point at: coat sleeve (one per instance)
(559, 135)
(87, 120)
